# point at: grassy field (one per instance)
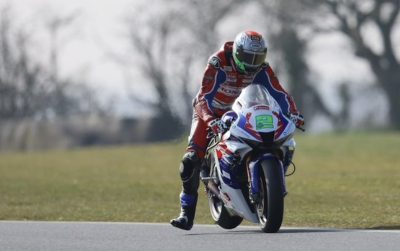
(349, 180)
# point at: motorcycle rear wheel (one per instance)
(220, 213)
(270, 208)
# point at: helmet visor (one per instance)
(251, 58)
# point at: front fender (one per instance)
(253, 168)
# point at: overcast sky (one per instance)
(102, 21)
(99, 27)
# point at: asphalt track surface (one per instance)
(76, 236)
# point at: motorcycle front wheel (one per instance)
(271, 204)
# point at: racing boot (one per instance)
(188, 211)
(189, 170)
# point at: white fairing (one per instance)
(237, 203)
(233, 198)
(236, 146)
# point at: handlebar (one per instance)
(300, 128)
(287, 115)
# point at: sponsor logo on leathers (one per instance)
(229, 91)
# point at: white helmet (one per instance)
(249, 51)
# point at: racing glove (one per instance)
(217, 126)
(297, 119)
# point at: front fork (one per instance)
(253, 166)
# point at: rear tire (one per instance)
(220, 213)
(271, 205)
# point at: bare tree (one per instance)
(68, 95)
(354, 17)
(21, 90)
(31, 89)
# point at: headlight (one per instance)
(252, 143)
(280, 142)
(268, 141)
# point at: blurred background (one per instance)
(81, 73)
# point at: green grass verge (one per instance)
(342, 180)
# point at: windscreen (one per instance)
(254, 94)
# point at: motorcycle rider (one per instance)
(236, 65)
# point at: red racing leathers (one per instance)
(222, 83)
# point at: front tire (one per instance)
(271, 204)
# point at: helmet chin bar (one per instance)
(252, 69)
(247, 70)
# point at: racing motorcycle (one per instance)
(243, 170)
